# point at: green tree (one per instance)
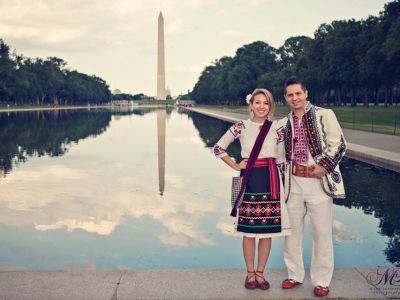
(290, 51)
(7, 69)
(391, 47)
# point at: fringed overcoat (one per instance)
(325, 141)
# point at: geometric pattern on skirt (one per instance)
(258, 213)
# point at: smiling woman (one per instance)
(262, 210)
(261, 105)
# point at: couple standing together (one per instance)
(290, 168)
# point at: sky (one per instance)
(117, 40)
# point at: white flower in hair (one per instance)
(248, 97)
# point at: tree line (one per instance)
(345, 63)
(124, 96)
(36, 81)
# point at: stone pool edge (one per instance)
(347, 283)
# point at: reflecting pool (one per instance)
(141, 189)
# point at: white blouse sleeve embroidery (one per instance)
(233, 133)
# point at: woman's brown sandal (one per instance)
(262, 285)
(251, 285)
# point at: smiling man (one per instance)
(313, 145)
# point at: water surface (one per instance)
(141, 189)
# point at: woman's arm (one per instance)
(229, 161)
(233, 133)
(220, 147)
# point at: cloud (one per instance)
(245, 37)
(115, 166)
(222, 13)
(83, 204)
(255, 3)
(176, 180)
(236, 33)
(51, 22)
(185, 139)
(55, 171)
(226, 226)
(176, 27)
(243, 6)
(198, 68)
(97, 22)
(10, 266)
(345, 233)
(199, 3)
(101, 227)
(39, 22)
(228, 174)
(114, 41)
(122, 267)
(130, 180)
(175, 240)
(28, 200)
(38, 35)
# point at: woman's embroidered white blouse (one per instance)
(247, 131)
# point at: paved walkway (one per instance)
(78, 107)
(51, 108)
(375, 148)
(348, 283)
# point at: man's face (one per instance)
(296, 97)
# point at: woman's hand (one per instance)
(230, 162)
(241, 165)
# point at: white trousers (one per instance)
(319, 208)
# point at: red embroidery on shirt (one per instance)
(300, 146)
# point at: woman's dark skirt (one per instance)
(258, 213)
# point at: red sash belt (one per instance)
(253, 157)
(273, 174)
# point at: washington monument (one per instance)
(161, 60)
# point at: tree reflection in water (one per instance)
(40, 133)
(211, 130)
(48, 133)
(373, 189)
(26, 134)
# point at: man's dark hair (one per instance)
(294, 80)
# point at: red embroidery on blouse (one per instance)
(236, 129)
(218, 150)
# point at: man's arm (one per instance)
(336, 147)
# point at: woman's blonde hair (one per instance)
(270, 99)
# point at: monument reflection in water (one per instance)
(161, 116)
(84, 190)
